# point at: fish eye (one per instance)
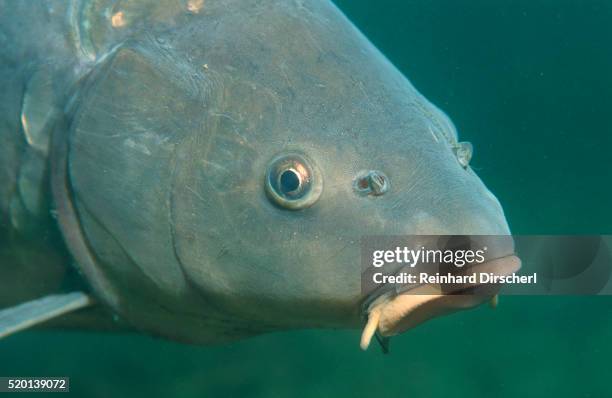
(293, 181)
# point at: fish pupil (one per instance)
(289, 181)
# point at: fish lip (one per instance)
(500, 266)
(511, 263)
(390, 315)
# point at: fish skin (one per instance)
(163, 118)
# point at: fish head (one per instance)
(248, 155)
(310, 148)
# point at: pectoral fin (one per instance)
(31, 313)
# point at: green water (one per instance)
(530, 84)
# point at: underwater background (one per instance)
(529, 83)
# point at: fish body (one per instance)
(209, 167)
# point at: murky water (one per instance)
(529, 83)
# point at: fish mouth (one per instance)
(390, 315)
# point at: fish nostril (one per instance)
(464, 151)
(362, 183)
(371, 182)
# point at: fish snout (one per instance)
(400, 309)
